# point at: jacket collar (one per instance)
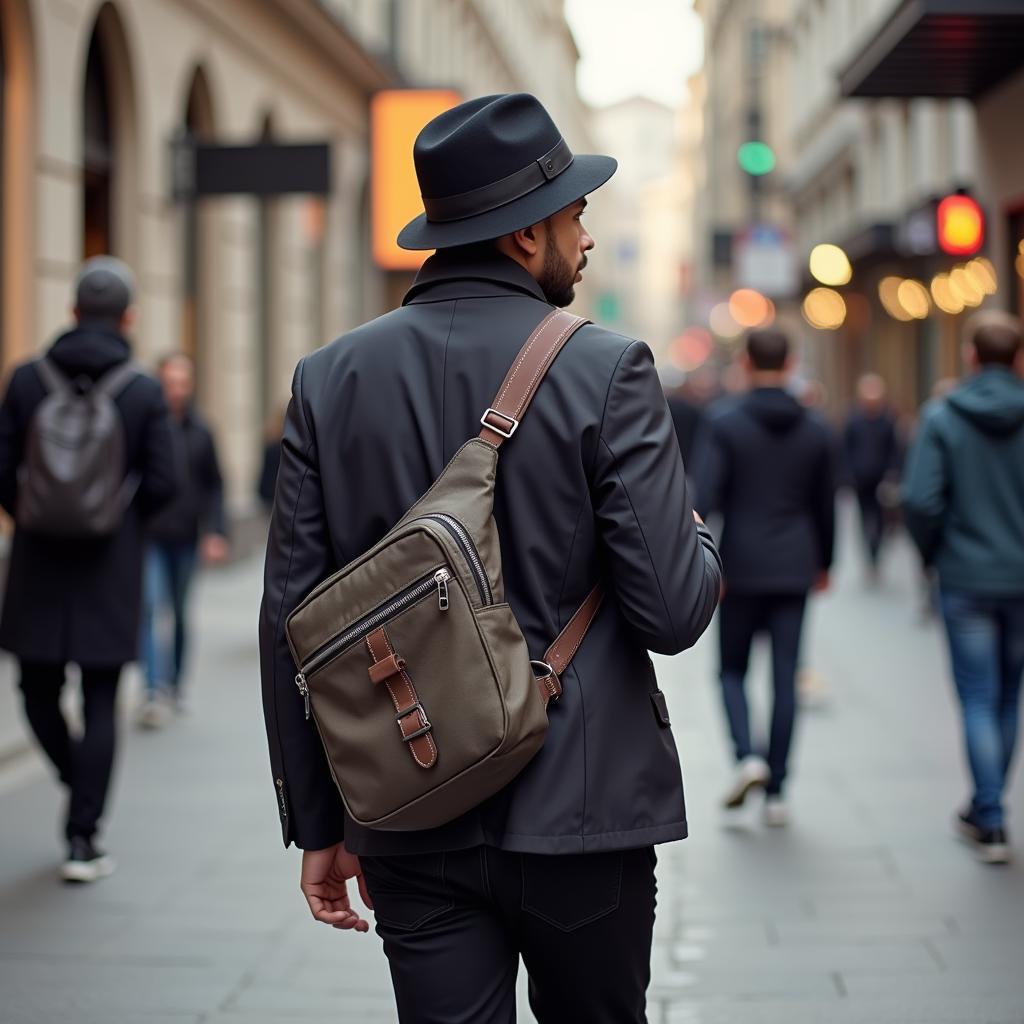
(477, 271)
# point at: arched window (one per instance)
(97, 154)
(197, 124)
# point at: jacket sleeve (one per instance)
(159, 472)
(12, 443)
(924, 489)
(664, 569)
(298, 558)
(212, 518)
(825, 499)
(711, 472)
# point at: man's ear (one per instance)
(527, 239)
(127, 319)
(969, 354)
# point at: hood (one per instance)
(90, 350)
(773, 408)
(992, 400)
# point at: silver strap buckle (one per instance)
(513, 423)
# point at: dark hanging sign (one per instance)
(266, 169)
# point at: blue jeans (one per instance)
(169, 569)
(986, 646)
(740, 618)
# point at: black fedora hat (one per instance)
(494, 165)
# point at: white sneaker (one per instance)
(752, 772)
(776, 813)
(151, 714)
(85, 863)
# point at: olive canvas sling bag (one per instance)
(411, 664)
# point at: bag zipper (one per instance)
(437, 580)
(468, 548)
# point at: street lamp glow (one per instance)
(888, 294)
(721, 322)
(825, 309)
(749, 308)
(830, 265)
(964, 287)
(913, 297)
(944, 297)
(756, 158)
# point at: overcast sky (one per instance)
(631, 47)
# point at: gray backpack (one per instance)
(71, 482)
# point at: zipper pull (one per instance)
(441, 578)
(300, 682)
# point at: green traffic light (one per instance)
(756, 158)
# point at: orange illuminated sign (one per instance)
(961, 225)
(396, 118)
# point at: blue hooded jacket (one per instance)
(964, 487)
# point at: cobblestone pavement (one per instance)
(865, 910)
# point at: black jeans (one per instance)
(741, 617)
(84, 764)
(455, 924)
(871, 521)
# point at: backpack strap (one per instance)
(500, 422)
(52, 377)
(115, 380)
(502, 419)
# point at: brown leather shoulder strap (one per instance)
(526, 373)
(564, 649)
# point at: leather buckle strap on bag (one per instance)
(500, 422)
(388, 668)
(561, 652)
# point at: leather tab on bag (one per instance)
(414, 727)
(392, 665)
(501, 420)
(548, 685)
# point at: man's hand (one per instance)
(325, 875)
(214, 549)
(822, 582)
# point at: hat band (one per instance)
(500, 193)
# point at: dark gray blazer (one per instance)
(592, 485)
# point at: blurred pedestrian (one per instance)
(85, 455)
(191, 527)
(964, 507)
(872, 456)
(688, 420)
(768, 469)
(557, 867)
(267, 483)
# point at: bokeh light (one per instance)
(830, 265)
(692, 348)
(913, 297)
(825, 309)
(756, 158)
(964, 287)
(888, 294)
(943, 295)
(749, 308)
(983, 274)
(721, 322)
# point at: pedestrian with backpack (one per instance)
(481, 526)
(85, 456)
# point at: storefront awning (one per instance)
(941, 48)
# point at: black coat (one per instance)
(768, 468)
(198, 507)
(591, 485)
(872, 448)
(78, 600)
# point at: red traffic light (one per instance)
(960, 225)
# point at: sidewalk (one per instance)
(865, 910)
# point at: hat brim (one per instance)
(585, 174)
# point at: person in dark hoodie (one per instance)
(191, 527)
(76, 599)
(768, 468)
(872, 453)
(964, 507)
